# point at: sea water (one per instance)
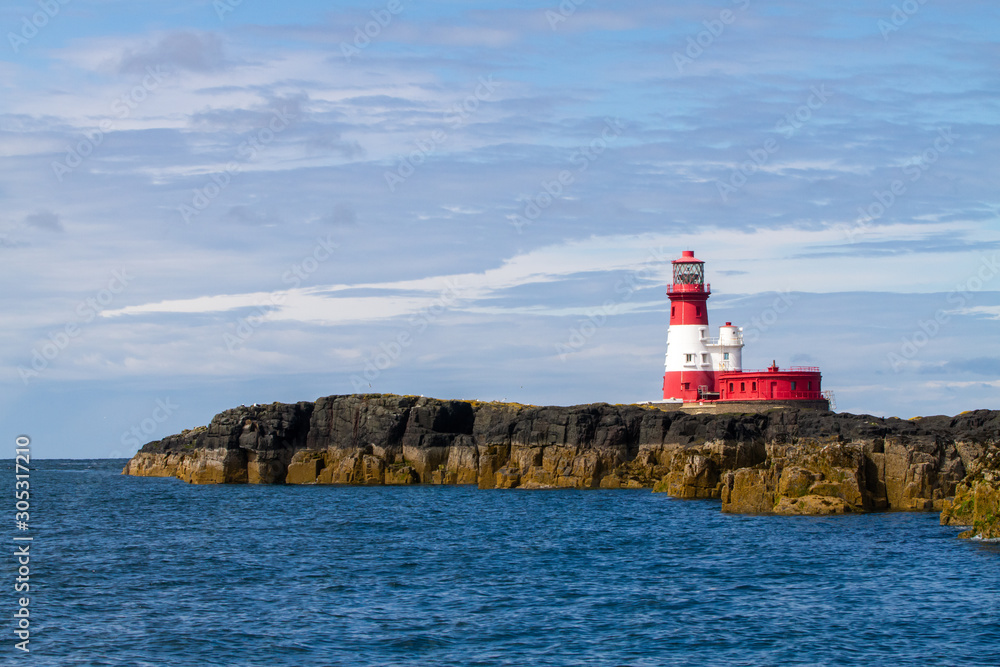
(147, 571)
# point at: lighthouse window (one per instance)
(743, 386)
(753, 386)
(725, 355)
(793, 385)
(689, 358)
(673, 309)
(809, 386)
(697, 311)
(704, 358)
(730, 386)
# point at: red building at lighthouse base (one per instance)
(798, 383)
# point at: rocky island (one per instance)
(782, 461)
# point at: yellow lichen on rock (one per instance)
(305, 467)
(811, 505)
(400, 475)
(977, 500)
(750, 491)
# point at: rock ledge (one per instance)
(778, 462)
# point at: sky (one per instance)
(212, 203)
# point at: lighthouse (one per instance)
(693, 357)
(702, 369)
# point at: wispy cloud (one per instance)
(46, 220)
(181, 50)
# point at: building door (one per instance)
(774, 390)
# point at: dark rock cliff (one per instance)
(783, 461)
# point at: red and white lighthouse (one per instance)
(689, 372)
(701, 368)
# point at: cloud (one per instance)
(971, 384)
(608, 258)
(940, 242)
(342, 215)
(978, 366)
(251, 216)
(986, 312)
(182, 50)
(45, 219)
(385, 102)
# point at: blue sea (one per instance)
(142, 571)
